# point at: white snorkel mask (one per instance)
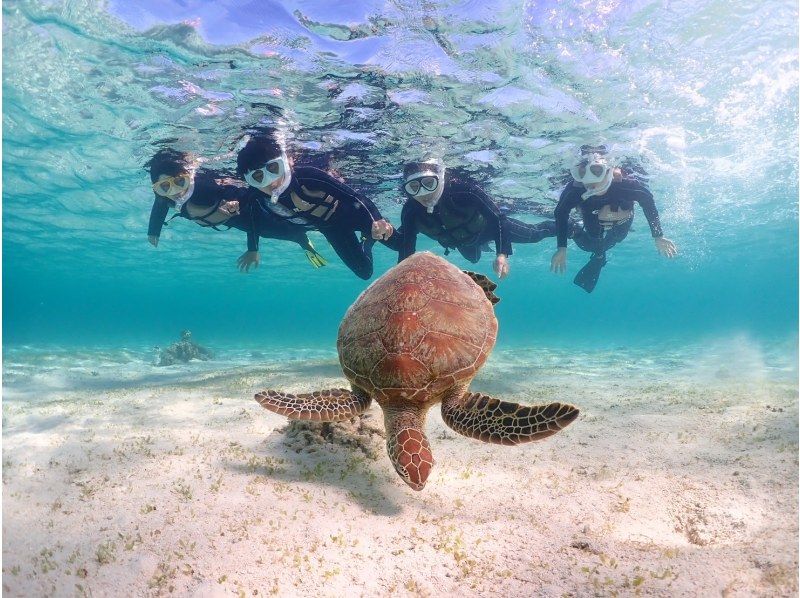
(425, 183)
(594, 172)
(263, 177)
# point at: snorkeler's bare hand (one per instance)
(666, 247)
(247, 259)
(229, 207)
(153, 240)
(382, 230)
(558, 263)
(501, 266)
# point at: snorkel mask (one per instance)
(594, 172)
(263, 177)
(424, 181)
(177, 189)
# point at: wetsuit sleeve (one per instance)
(645, 199)
(494, 219)
(158, 214)
(247, 209)
(408, 231)
(570, 198)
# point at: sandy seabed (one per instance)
(676, 480)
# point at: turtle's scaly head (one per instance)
(411, 456)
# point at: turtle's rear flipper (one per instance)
(333, 405)
(486, 284)
(481, 417)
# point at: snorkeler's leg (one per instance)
(616, 234)
(471, 253)
(523, 232)
(587, 242)
(357, 255)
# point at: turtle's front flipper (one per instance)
(486, 284)
(337, 404)
(481, 417)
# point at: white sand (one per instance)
(672, 484)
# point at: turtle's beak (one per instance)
(411, 456)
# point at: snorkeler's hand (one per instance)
(153, 240)
(501, 266)
(665, 247)
(558, 263)
(247, 259)
(381, 230)
(229, 207)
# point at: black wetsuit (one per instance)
(466, 218)
(210, 190)
(620, 196)
(593, 236)
(316, 200)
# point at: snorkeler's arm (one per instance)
(249, 213)
(158, 214)
(570, 198)
(408, 224)
(320, 180)
(644, 198)
(494, 219)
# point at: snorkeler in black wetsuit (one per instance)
(453, 210)
(309, 198)
(605, 199)
(212, 200)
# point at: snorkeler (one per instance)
(453, 210)
(211, 200)
(605, 199)
(305, 197)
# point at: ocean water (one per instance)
(701, 95)
(679, 477)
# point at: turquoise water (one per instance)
(703, 94)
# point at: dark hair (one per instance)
(167, 161)
(260, 149)
(415, 167)
(594, 149)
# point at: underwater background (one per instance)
(700, 96)
(679, 477)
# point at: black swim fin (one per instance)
(587, 277)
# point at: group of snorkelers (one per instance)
(283, 201)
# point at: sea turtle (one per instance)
(416, 337)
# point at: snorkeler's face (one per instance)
(270, 176)
(173, 187)
(424, 187)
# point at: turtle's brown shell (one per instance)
(418, 330)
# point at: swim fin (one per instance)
(315, 257)
(587, 277)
